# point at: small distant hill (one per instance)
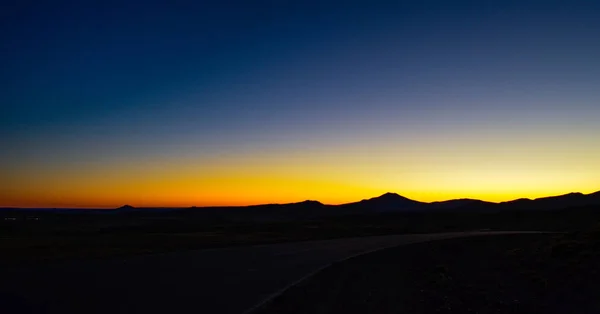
(463, 203)
(126, 207)
(307, 203)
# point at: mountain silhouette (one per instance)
(308, 209)
(388, 203)
(385, 203)
(552, 202)
(310, 203)
(566, 200)
(303, 204)
(126, 207)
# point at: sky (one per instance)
(181, 103)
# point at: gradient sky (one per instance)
(181, 103)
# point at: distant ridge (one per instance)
(387, 202)
(390, 201)
(572, 195)
(305, 203)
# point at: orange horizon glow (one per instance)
(234, 187)
(182, 203)
(424, 171)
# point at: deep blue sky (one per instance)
(108, 82)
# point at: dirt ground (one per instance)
(497, 274)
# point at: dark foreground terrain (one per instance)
(84, 261)
(57, 236)
(39, 235)
(229, 280)
(534, 273)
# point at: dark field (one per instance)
(78, 235)
(497, 274)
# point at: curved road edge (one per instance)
(442, 236)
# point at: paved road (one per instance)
(229, 280)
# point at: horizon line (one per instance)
(262, 204)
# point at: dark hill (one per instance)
(553, 202)
(126, 207)
(594, 195)
(459, 204)
(385, 203)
